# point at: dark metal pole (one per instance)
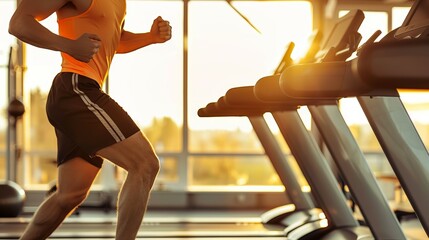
(11, 121)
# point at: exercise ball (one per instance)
(12, 198)
(16, 108)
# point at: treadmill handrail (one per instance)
(328, 80)
(379, 66)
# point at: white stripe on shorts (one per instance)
(104, 118)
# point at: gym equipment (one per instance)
(12, 198)
(310, 159)
(302, 210)
(398, 61)
(356, 172)
(318, 174)
(16, 108)
(347, 155)
(286, 59)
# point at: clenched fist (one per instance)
(84, 47)
(161, 30)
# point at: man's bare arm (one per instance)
(25, 25)
(160, 32)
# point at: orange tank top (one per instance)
(103, 18)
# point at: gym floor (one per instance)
(207, 225)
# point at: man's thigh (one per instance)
(76, 176)
(134, 152)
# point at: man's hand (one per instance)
(84, 47)
(160, 30)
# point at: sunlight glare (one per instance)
(226, 52)
(291, 26)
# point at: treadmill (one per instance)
(239, 101)
(343, 148)
(302, 210)
(400, 60)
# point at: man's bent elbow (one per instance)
(19, 25)
(11, 29)
(14, 28)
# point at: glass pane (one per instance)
(226, 52)
(168, 171)
(148, 83)
(232, 171)
(398, 16)
(226, 140)
(6, 41)
(359, 126)
(417, 105)
(238, 171)
(378, 163)
(41, 169)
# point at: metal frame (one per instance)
(403, 147)
(356, 172)
(316, 169)
(301, 200)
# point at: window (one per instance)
(224, 52)
(398, 16)
(417, 105)
(6, 41)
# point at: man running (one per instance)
(90, 126)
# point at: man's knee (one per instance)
(69, 201)
(148, 167)
(155, 167)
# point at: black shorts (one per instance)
(85, 118)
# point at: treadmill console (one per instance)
(339, 38)
(402, 62)
(416, 24)
(315, 80)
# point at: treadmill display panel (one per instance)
(417, 21)
(341, 32)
